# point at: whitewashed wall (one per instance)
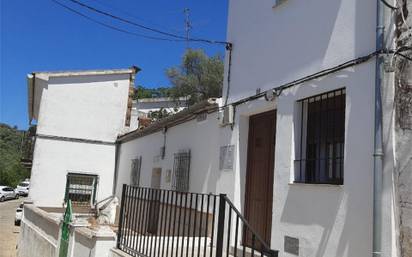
(202, 138)
(275, 45)
(40, 236)
(87, 107)
(53, 159)
(272, 46)
(328, 220)
(69, 108)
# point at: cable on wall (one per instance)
(389, 5)
(278, 90)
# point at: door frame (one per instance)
(268, 234)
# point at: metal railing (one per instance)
(157, 222)
(27, 147)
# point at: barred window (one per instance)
(81, 189)
(181, 171)
(135, 171)
(320, 149)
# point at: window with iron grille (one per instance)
(321, 137)
(81, 189)
(181, 171)
(135, 171)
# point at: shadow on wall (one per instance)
(320, 210)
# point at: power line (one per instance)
(113, 27)
(133, 16)
(145, 27)
(405, 56)
(389, 5)
(278, 90)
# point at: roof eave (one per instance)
(131, 70)
(209, 106)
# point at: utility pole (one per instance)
(188, 25)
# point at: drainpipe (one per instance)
(378, 148)
(116, 170)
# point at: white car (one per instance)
(8, 193)
(19, 214)
(23, 188)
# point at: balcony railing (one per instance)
(157, 222)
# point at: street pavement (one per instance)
(9, 233)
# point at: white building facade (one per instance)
(323, 176)
(79, 116)
(297, 158)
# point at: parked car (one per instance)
(19, 214)
(23, 188)
(8, 193)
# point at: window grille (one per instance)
(181, 171)
(81, 189)
(135, 171)
(322, 136)
(201, 116)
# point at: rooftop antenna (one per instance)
(188, 25)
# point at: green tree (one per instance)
(11, 170)
(198, 76)
(144, 92)
(160, 114)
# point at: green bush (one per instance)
(11, 170)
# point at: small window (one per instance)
(321, 137)
(181, 170)
(201, 116)
(135, 171)
(81, 189)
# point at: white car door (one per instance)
(9, 192)
(5, 193)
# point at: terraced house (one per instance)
(302, 156)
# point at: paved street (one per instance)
(8, 232)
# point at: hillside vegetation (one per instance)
(11, 170)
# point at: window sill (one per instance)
(314, 185)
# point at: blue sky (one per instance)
(39, 35)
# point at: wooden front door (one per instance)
(259, 174)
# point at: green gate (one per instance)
(64, 240)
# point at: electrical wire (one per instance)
(278, 90)
(129, 14)
(113, 27)
(405, 56)
(399, 50)
(389, 5)
(146, 27)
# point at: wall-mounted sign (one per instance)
(226, 157)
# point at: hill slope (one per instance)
(11, 170)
